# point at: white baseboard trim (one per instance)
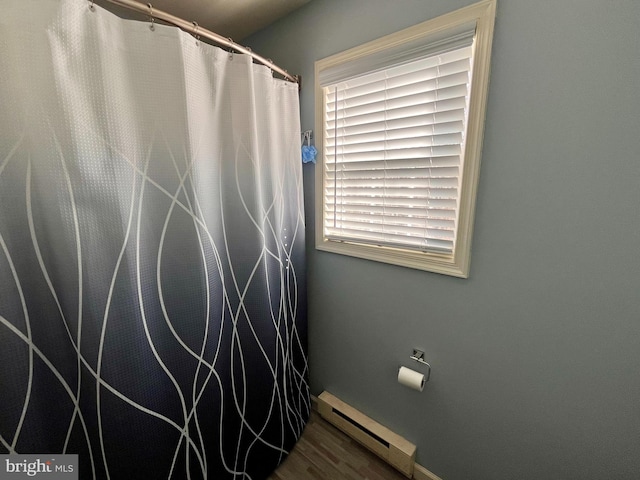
(421, 473)
(391, 447)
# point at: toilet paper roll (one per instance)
(411, 378)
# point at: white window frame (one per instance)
(456, 263)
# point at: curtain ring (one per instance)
(195, 32)
(91, 7)
(230, 47)
(152, 26)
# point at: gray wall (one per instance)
(536, 356)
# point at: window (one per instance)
(401, 121)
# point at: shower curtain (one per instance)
(152, 296)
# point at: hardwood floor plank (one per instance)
(325, 453)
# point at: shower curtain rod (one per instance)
(194, 29)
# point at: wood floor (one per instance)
(324, 452)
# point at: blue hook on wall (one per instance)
(309, 152)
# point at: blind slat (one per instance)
(397, 211)
(400, 124)
(398, 173)
(381, 102)
(395, 147)
(413, 135)
(375, 166)
(402, 154)
(428, 203)
(443, 191)
(419, 83)
(406, 111)
(390, 239)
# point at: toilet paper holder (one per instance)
(418, 356)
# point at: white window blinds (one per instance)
(393, 150)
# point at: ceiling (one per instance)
(236, 19)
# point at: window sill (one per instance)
(427, 261)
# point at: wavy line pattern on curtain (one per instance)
(152, 283)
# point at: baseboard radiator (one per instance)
(395, 450)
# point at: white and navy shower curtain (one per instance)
(152, 295)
